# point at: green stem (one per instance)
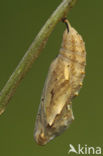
(33, 52)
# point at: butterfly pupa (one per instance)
(63, 82)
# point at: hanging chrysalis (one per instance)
(63, 82)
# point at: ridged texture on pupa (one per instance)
(63, 82)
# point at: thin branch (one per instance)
(33, 52)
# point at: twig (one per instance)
(33, 52)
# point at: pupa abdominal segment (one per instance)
(63, 82)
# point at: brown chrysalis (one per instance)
(63, 82)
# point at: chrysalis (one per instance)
(63, 82)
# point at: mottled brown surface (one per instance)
(63, 82)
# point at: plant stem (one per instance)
(33, 52)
